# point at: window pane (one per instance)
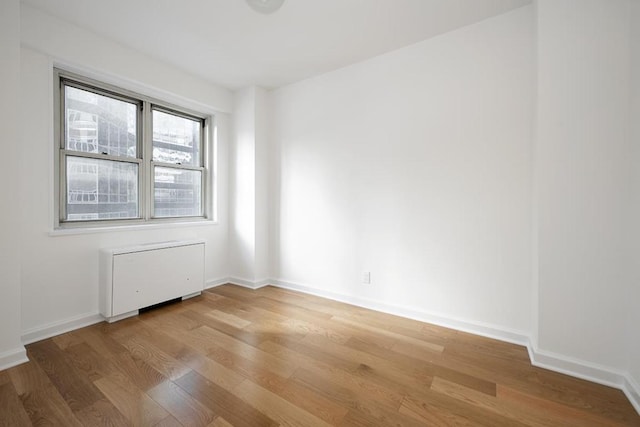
(99, 124)
(101, 189)
(177, 192)
(176, 139)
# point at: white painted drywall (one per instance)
(415, 166)
(60, 273)
(242, 229)
(10, 345)
(634, 297)
(249, 187)
(583, 171)
(262, 152)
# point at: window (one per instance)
(128, 158)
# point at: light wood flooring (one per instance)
(239, 357)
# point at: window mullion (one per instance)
(147, 152)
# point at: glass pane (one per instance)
(177, 192)
(101, 189)
(99, 124)
(176, 139)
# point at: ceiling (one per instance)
(227, 43)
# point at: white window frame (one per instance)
(144, 158)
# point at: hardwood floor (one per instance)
(239, 357)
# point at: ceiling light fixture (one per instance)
(265, 6)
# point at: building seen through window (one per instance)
(103, 157)
(96, 188)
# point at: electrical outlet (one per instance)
(366, 277)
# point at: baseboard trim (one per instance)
(588, 371)
(43, 332)
(477, 328)
(11, 358)
(577, 368)
(632, 389)
(216, 282)
(239, 281)
(251, 284)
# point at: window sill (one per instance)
(70, 231)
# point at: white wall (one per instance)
(583, 179)
(415, 166)
(60, 273)
(634, 297)
(262, 170)
(11, 349)
(249, 198)
(242, 186)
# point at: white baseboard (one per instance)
(576, 368)
(216, 282)
(251, 284)
(588, 371)
(245, 283)
(477, 328)
(632, 389)
(60, 327)
(11, 358)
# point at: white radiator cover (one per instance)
(139, 276)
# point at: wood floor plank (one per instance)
(40, 399)
(90, 363)
(275, 407)
(261, 358)
(290, 310)
(389, 374)
(66, 340)
(440, 410)
(347, 392)
(556, 413)
(230, 319)
(169, 421)
(190, 357)
(435, 416)
(205, 344)
(251, 313)
(251, 336)
(138, 408)
(470, 381)
(156, 358)
(235, 293)
(12, 413)
(4, 377)
(242, 357)
(101, 413)
(547, 414)
(143, 375)
(184, 408)
(320, 369)
(256, 372)
(220, 422)
(302, 396)
(421, 344)
(74, 387)
(222, 402)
